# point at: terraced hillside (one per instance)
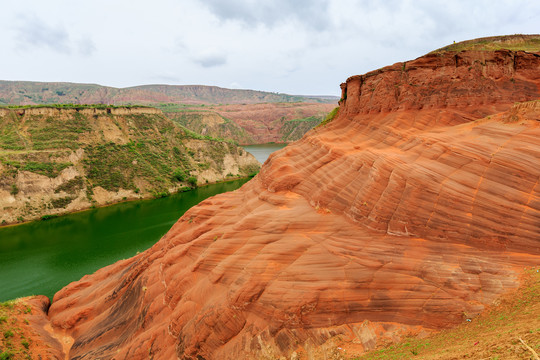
(57, 159)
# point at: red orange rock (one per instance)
(413, 209)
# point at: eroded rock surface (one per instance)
(409, 212)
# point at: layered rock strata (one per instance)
(412, 210)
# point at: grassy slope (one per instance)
(145, 153)
(495, 334)
(529, 43)
(294, 129)
(15, 343)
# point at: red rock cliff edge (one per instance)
(413, 209)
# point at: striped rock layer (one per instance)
(414, 209)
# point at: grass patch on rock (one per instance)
(498, 333)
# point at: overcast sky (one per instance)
(303, 47)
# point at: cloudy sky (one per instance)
(292, 46)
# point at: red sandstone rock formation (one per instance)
(413, 209)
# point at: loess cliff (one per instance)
(249, 124)
(55, 160)
(411, 211)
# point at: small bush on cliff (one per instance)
(71, 186)
(49, 216)
(179, 175)
(7, 355)
(192, 181)
(49, 169)
(61, 202)
(14, 190)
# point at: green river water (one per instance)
(41, 257)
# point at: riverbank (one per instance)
(56, 160)
(127, 199)
(41, 257)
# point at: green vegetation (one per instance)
(72, 106)
(179, 175)
(509, 42)
(71, 186)
(9, 136)
(493, 335)
(296, 128)
(195, 135)
(195, 121)
(61, 202)
(143, 152)
(331, 115)
(49, 169)
(192, 180)
(6, 355)
(175, 108)
(13, 326)
(114, 166)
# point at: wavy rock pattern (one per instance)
(415, 207)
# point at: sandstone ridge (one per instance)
(411, 211)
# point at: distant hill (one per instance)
(244, 116)
(34, 93)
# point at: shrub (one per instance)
(48, 169)
(6, 355)
(14, 190)
(71, 186)
(179, 175)
(192, 181)
(61, 202)
(48, 217)
(161, 194)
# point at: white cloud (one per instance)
(86, 46)
(310, 13)
(34, 32)
(292, 46)
(210, 58)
